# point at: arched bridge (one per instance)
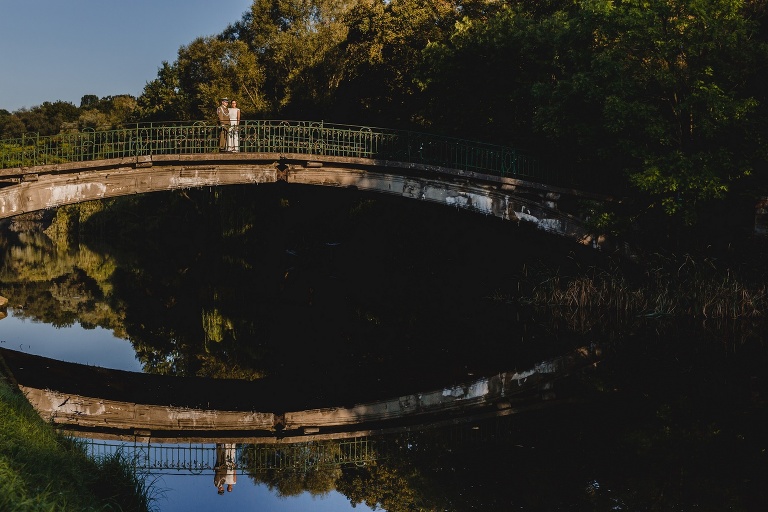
(47, 172)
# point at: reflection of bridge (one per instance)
(124, 405)
(46, 172)
(201, 457)
(300, 454)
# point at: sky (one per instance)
(54, 50)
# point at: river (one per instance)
(335, 293)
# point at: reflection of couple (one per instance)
(226, 474)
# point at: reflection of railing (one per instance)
(305, 456)
(361, 450)
(266, 136)
(191, 457)
(199, 458)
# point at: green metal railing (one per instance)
(360, 450)
(270, 136)
(201, 457)
(306, 456)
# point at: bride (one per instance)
(233, 139)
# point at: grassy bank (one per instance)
(40, 470)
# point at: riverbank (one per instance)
(42, 470)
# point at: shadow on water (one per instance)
(336, 297)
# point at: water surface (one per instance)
(333, 292)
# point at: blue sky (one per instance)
(63, 49)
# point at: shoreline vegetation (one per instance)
(722, 291)
(691, 289)
(40, 469)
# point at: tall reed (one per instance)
(668, 288)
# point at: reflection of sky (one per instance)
(95, 347)
(180, 491)
(175, 492)
(184, 493)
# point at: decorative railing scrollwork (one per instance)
(283, 137)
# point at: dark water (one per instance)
(334, 293)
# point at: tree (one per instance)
(94, 119)
(484, 73)
(688, 63)
(672, 109)
(296, 43)
(162, 99)
(46, 119)
(11, 127)
(384, 53)
(206, 70)
(122, 109)
(88, 100)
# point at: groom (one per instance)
(223, 114)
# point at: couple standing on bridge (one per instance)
(229, 119)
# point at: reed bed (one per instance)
(671, 288)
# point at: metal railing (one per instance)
(306, 456)
(273, 136)
(198, 458)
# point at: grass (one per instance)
(41, 470)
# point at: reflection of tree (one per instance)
(57, 283)
(189, 267)
(650, 430)
(212, 290)
(73, 266)
(396, 472)
(670, 435)
(294, 469)
(268, 272)
(215, 326)
(394, 486)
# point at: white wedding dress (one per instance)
(233, 140)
